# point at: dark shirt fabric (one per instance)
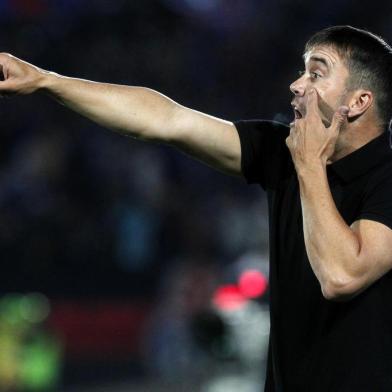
(316, 344)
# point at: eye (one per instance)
(315, 75)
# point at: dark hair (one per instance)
(369, 61)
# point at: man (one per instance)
(329, 183)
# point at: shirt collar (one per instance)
(362, 160)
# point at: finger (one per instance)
(8, 88)
(4, 59)
(339, 119)
(312, 103)
(5, 85)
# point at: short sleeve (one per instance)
(377, 203)
(265, 158)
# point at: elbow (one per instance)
(339, 290)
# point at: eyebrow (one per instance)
(321, 60)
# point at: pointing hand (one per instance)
(18, 76)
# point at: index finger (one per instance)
(4, 57)
(4, 77)
(312, 102)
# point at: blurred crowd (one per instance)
(76, 200)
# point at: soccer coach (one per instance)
(328, 177)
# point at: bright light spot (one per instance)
(252, 284)
(229, 297)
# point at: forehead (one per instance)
(324, 55)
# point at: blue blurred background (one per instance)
(127, 266)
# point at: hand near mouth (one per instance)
(310, 142)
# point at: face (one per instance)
(327, 74)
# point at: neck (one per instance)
(354, 136)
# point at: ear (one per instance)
(360, 101)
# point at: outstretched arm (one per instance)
(134, 111)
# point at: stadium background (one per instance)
(125, 265)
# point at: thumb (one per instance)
(7, 87)
(339, 118)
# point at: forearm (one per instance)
(331, 245)
(134, 111)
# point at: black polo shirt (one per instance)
(319, 345)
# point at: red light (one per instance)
(229, 297)
(252, 284)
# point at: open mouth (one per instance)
(297, 114)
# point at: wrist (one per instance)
(46, 81)
(311, 168)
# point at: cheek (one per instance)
(329, 98)
(331, 91)
(326, 90)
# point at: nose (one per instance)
(298, 87)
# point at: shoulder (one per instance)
(266, 132)
(265, 158)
